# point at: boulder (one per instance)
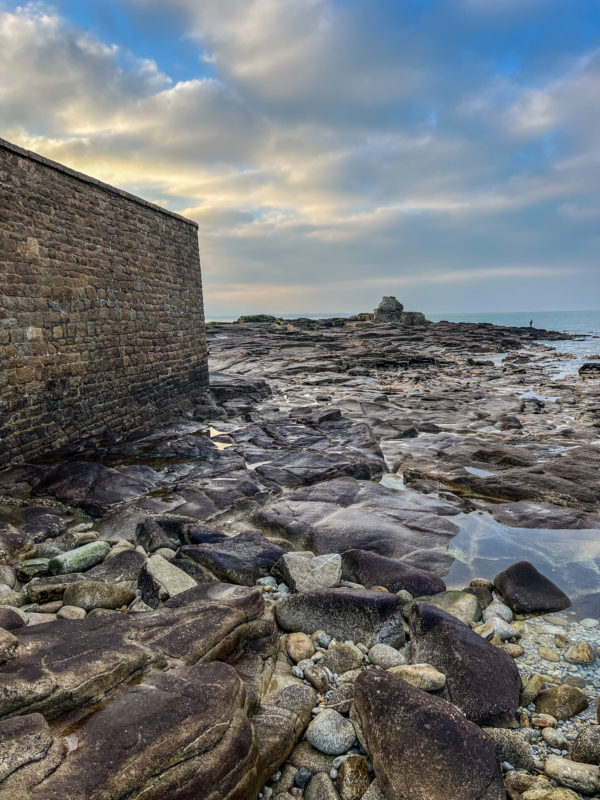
(354, 614)
(372, 569)
(586, 746)
(159, 580)
(11, 618)
(462, 605)
(481, 680)
(527, 591)
(95, 594)
(512, 747)
(421, 746)
(8, 645)
(241, 559)
(561, 702)
(80, 559)
(303, 572)
(320, 788)
(388, 310)
(123, 567)
(584, 778)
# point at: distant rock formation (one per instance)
(391, 310)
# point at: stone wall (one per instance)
(101, 314)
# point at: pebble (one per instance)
(422, 676)
(382, 655)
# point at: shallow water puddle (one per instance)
(484, 547)
(480, 473)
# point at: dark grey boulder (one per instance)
(421, 746)
(241, 559)
(586, 747)
(11, 618)
(371, 569)
(527, 591)
(124, 567)
(360, 615)
(481, 679)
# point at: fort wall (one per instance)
(101, 312)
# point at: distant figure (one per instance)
(531, 323)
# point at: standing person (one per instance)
(531, 323)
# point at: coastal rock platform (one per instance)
(275, 596)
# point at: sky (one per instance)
(446, 152)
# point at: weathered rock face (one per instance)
(338, 515)
(372, 569)
(67, 664)
(527, 591)
(360, 615)
(186, 734)
(421, 746)
(388, 310)
(481, 680)
(29, 752)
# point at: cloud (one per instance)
(335, 150)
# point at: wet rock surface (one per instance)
(224, 608)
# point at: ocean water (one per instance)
(583, 322)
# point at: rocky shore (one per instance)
(258, 601)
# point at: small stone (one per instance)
(589, 622)
(486, 631)
(543, 720)
(321, 639)
(512, 747)
(138, 607)
(583, 778)
(532, 687)
(320, 788)
(404, 596)
(353, 778)
(331, 733)
(555, 738)
(342, 657)
(513, 650)
(71, 612)
(497, 609)
(382, 655)
(8, 645)
(548, 654)
(317, 677)
(561, 641)
(422, 676)
(299, 646)
(302, 777)
(580, 653)
(562, 702)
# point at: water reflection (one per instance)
(571, 558)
